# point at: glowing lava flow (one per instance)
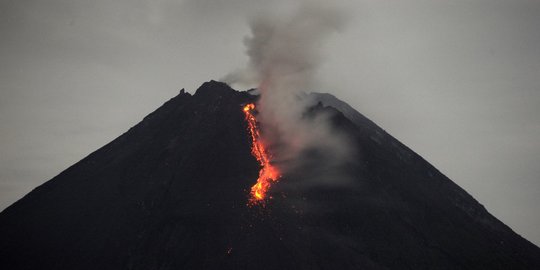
(268, 172)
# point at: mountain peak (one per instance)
(171, 193)
(214, 88)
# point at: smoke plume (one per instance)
(284, 54)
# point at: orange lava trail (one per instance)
(268, 173)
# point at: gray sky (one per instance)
(457, 81)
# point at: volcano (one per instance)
(172, 193)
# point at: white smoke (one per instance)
(284, 54)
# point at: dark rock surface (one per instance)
(171, 194)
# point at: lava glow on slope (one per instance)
(268, 173)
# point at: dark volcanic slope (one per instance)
(171, 194)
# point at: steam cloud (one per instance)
(284, 54)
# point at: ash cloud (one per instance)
(284, 53)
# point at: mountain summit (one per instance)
(172, 192)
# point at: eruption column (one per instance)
(268, 173)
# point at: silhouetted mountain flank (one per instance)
(171, 193)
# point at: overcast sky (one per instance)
(457, 81)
